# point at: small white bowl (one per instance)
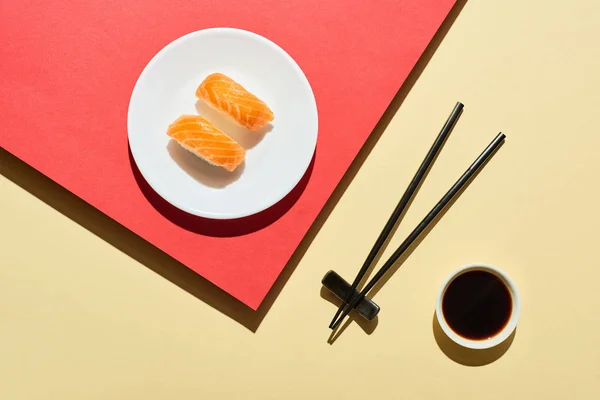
(499, 337)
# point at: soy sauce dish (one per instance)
(478, 306)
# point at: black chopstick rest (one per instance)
(366, 308)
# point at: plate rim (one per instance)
(283, 193)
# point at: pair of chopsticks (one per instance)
(349, 303)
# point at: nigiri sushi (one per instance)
(206, 141)
(226, 95)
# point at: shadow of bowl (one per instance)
(466, 356)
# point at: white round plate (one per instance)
(276, 157)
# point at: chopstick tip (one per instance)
(334, 324)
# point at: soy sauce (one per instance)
(477, 305)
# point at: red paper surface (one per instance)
(68, 68)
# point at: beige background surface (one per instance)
(89, 311)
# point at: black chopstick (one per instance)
(483, 157)
(406, 197)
